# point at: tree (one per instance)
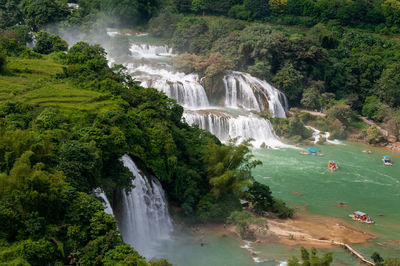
(130, 12)
(261, 197)
(47, 43)
(371, 107)
(243, 219)
(311, 259)
(391, 11)
(229, 167)
(259, 8)
(376, 257)
(290, 81)
(41, 12)
(341, 112)
(201, 5)
(239, 12)
(277, 6)
(81, 165)
(311, 98)
(10, 14)
(388, 85)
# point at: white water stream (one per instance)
(99, 193)
(242, 92)
(317, 135)
(144, 219)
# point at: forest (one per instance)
(66, 116)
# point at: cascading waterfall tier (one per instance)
(185, 89)
(224, 125)
(143, 50)
(143, 218)
(242, 90)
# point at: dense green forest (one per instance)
(66, 117)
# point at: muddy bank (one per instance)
(303, 230)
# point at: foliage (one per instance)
(38, 13)
(243, 219)
(371, 107)
(3, 61)
(376, 257)
(214, 65)
(262, 199)
(311, 258)
(229, 167)
(130, 12)
(47, 43)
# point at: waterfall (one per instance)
(242, 90)
(143, 219)
(185, 89)
(99, 193)
(143, 50)
(225, 126)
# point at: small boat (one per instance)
(367, 151)
(361, 217)
(333, 166)
(311, 151)
(387, 161)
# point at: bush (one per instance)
(371, 107)
(239, 12)
(47, 43)
(282, 210)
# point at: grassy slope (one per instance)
(33, 81)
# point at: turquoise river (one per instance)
(362, 183)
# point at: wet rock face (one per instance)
(215, 90)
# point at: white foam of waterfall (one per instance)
(317, 134)
(144, 219)
(144, 50)
(184, 88)
(100, 194)
(225, 126)
(242, 90)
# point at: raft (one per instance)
(361, 217)
(387, 161)
(333, 166)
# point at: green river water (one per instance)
(362, 182)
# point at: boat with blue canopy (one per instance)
(387, 161)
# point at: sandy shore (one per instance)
(303, 230)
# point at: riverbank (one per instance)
(302, 230)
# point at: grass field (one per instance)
(33, 81)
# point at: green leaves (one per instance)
(229, 167)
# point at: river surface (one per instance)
(362, 182)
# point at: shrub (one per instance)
(47, 43)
